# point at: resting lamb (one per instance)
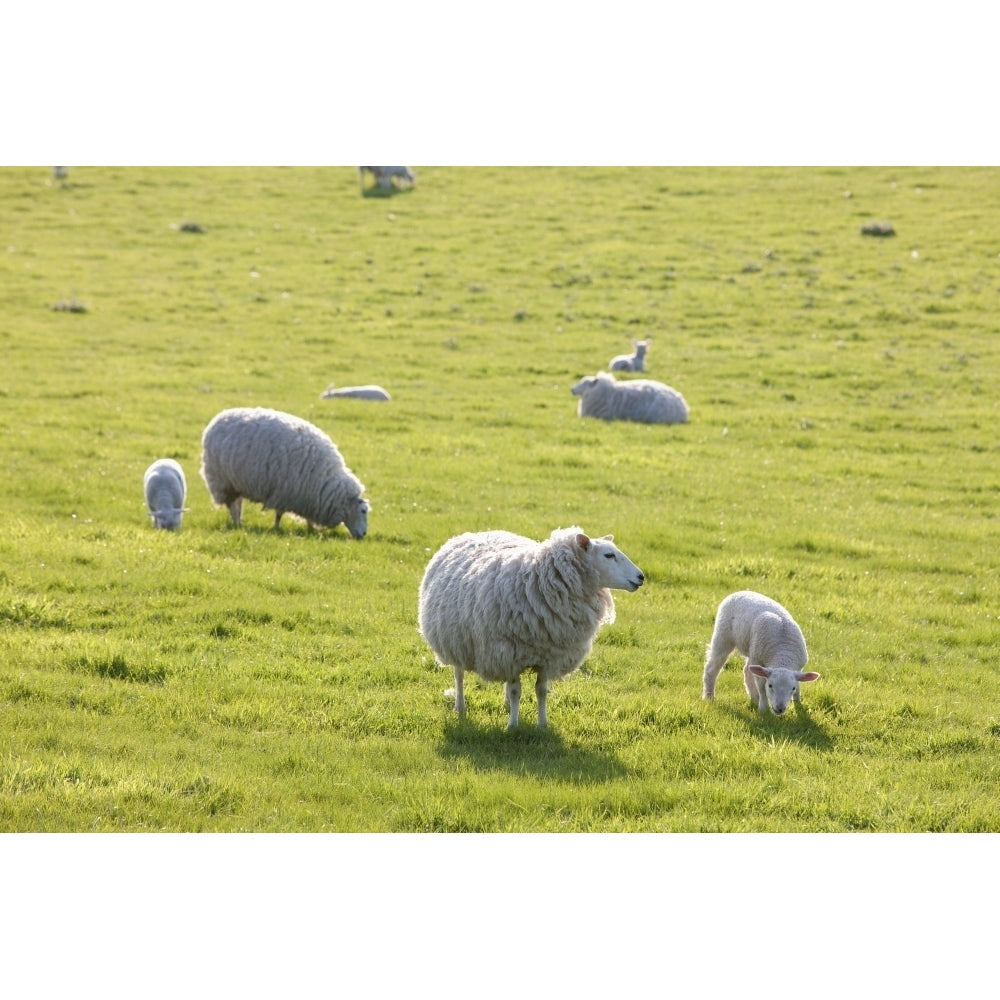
(355, 392)
(635, 362)
(497, 604)
(284, 463)
(767, 635)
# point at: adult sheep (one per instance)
(775, 650)
(165, 490)
(635, 362)
(497, 604)
(384, 176)
(284, 463)
(639, 399)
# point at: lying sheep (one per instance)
(766, 634)
(166, 490)
(635, 362)
(355, 392)
(384, 175)
(498, 604)
(638, 399)
(284, 463)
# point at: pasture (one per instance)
(841, 457)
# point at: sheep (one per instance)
(375, 392)
(767, 635)
(281, 462)
(640, 399)
(166, 490)
(384, 175)
(635, 362)
(497, 604)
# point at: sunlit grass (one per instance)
(841, 457)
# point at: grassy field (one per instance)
(842, 457)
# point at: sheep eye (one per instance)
(609, 555)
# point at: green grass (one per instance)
(841, 457)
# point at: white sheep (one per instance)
(639, 399)
(284, 463)
(635, 362)
(375, 392)
(384, 175)
(497, 604)
(767, 635)
(166, 490)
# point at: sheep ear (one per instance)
(608, 538)
(583, 541)
(759, 671)
(809, 675)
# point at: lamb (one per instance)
(767, 635)
(166, 490)
(497, 604)
(355, 392)
(639, 399)
(635, 362)
(384, 175)
(284, 463)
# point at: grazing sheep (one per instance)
(766, 634)
(384, 175)
(498, 604)
(631, 362)
(638, 399)
(166, 490)
(355, 392)
(281, 462)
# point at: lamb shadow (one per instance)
(526, 750)
(797, 724)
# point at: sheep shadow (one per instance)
(289, 529)
(527, 749)
(375, 191)
(796, 725)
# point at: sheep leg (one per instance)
(541, 691)
(236, 510)
(755, 688)
(715, 660)
(460, 690)
(512, 694)
(277, 519)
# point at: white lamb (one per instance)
(635, 362)
(766, 634)
(384, 175)
(498, 604)
(639, 399)
(284, 463)
(355, 392)
(166, 490)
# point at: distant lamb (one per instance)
(384, 176)
(355, 392)
(284, 463)
(766, 634)
(635, 362)
(166, 490)
(639, 399)
(497, 604)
